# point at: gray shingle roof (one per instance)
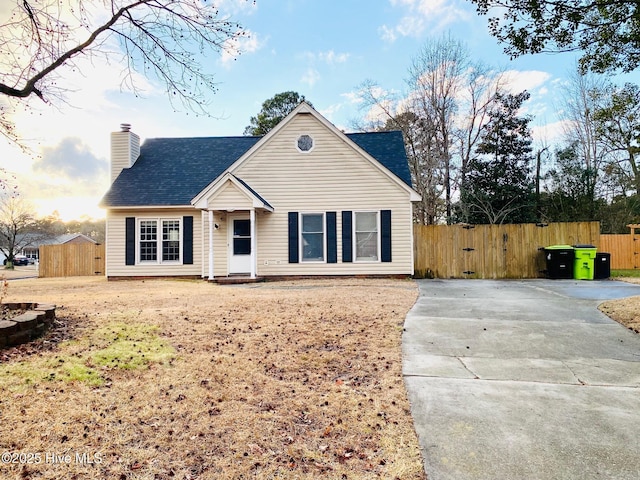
(172, 171)
(248, 187)
(388, 149)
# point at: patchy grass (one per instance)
(625, 273)
(129, 346)
(115, 345)
(170, 379)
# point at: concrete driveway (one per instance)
(523, 380)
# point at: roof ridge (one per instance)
(205, 138)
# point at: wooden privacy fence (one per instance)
(624, 249)
(80, 259)
(493, 251)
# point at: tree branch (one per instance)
(30, 86)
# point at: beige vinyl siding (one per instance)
(220, 240)
(125, 149)
(115, 245)
(230, 197)
(332, 177)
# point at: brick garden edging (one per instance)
(28, 325)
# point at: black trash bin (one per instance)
(559, 261)
(602, 268)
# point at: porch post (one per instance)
(210, 244)
(252, 216)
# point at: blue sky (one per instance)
(321, 49)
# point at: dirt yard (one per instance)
(625, 311)
(186, 380)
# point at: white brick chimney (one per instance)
(125, 149)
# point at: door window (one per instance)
(242, 237)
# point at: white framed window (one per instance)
(148, 240)
(305, 143)
(367, 236)
(159, 240)
(312, 237)
(170, 240)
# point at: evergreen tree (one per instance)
(498, 187)
(273, 111)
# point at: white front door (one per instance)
(239, 228)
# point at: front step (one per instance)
(236, 280)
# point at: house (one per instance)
(32, 248)
(303, 200)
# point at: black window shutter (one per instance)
(332, 240)
(293, 237)
(187, 238)
(385, 227)
(130, 241)
(347, 236)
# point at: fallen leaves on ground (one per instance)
(275, 380)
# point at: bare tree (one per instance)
(42, 40)
(391, 112)
(579, 103)
(17, 227)
(435, 79)
(441, 117)
(478, 95)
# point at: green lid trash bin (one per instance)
(584, 262)
(560, 260)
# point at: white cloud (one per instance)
(331, 110)
(516, 81)
(353, 98)
(426, 8)
(5, 10)
(315, 61)
(329, 57)
(235, 7)
(418, 16)
(411, 26)
(72, 158)
(550, 133)
(310, 77)
(234, 47)
(387, 34)
(379, 113)
(333, 58)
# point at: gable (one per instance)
(334, 166)
(174, 171)
(230, 193)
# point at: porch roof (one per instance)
(204, 198)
